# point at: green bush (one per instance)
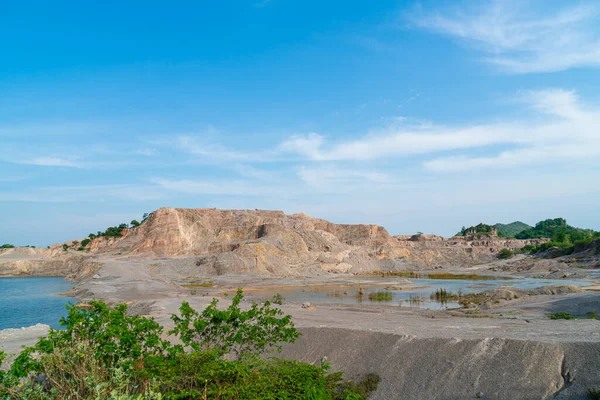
(556, 229)
(561, 315)
(105, 353)
(243, 332)
(278, 299)
(7, 246)
(505, 254)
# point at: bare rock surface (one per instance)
(438, 368)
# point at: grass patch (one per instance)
(199, 284)
(443, 275)
(444, 296)
(415, 300)
(561, 315)
(380, 296)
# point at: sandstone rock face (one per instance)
(271, 242)
(260, 242)
(251, 241)
(45, 262)
(431, 250)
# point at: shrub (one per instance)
(278, 299)
(505, 254)
(7, 246)
(104, 353)
(243, 332)
(561, 315)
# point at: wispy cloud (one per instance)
(560, 128)
(146, 152)
(332, 177)
(262, 3)
(240, 187)
(206, 148)
(522, 37)
(51, 162)
(92, 193)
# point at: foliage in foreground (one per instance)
(103, 353)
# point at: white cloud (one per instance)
(148, 152)
(221, 187)
(51, 162)
(332, 177)
(211, 151)
(308, 145)
(93, 193)
(523, 37)
(562, 129)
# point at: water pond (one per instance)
(29, 301)
(412, 292)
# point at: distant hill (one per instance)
(556, 229)
(504, 230)
(512, 229)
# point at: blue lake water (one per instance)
(29, 301)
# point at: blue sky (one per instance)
(418, 116)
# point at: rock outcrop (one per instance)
(261, 242)
(271, 242)
(45, 262)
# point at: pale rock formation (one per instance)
(260, 242)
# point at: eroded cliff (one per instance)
(262, 242)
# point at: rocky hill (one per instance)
(271, 242)
(220, 242)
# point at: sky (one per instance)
(414, 115)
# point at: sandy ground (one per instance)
(158, 291)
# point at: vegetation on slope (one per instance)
(556, 229)
(110, 232)
(503, 230)
(105, 353)
(512, 229)
(10, 246)
(479, 229)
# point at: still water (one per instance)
(29, 301)
(414, 292)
